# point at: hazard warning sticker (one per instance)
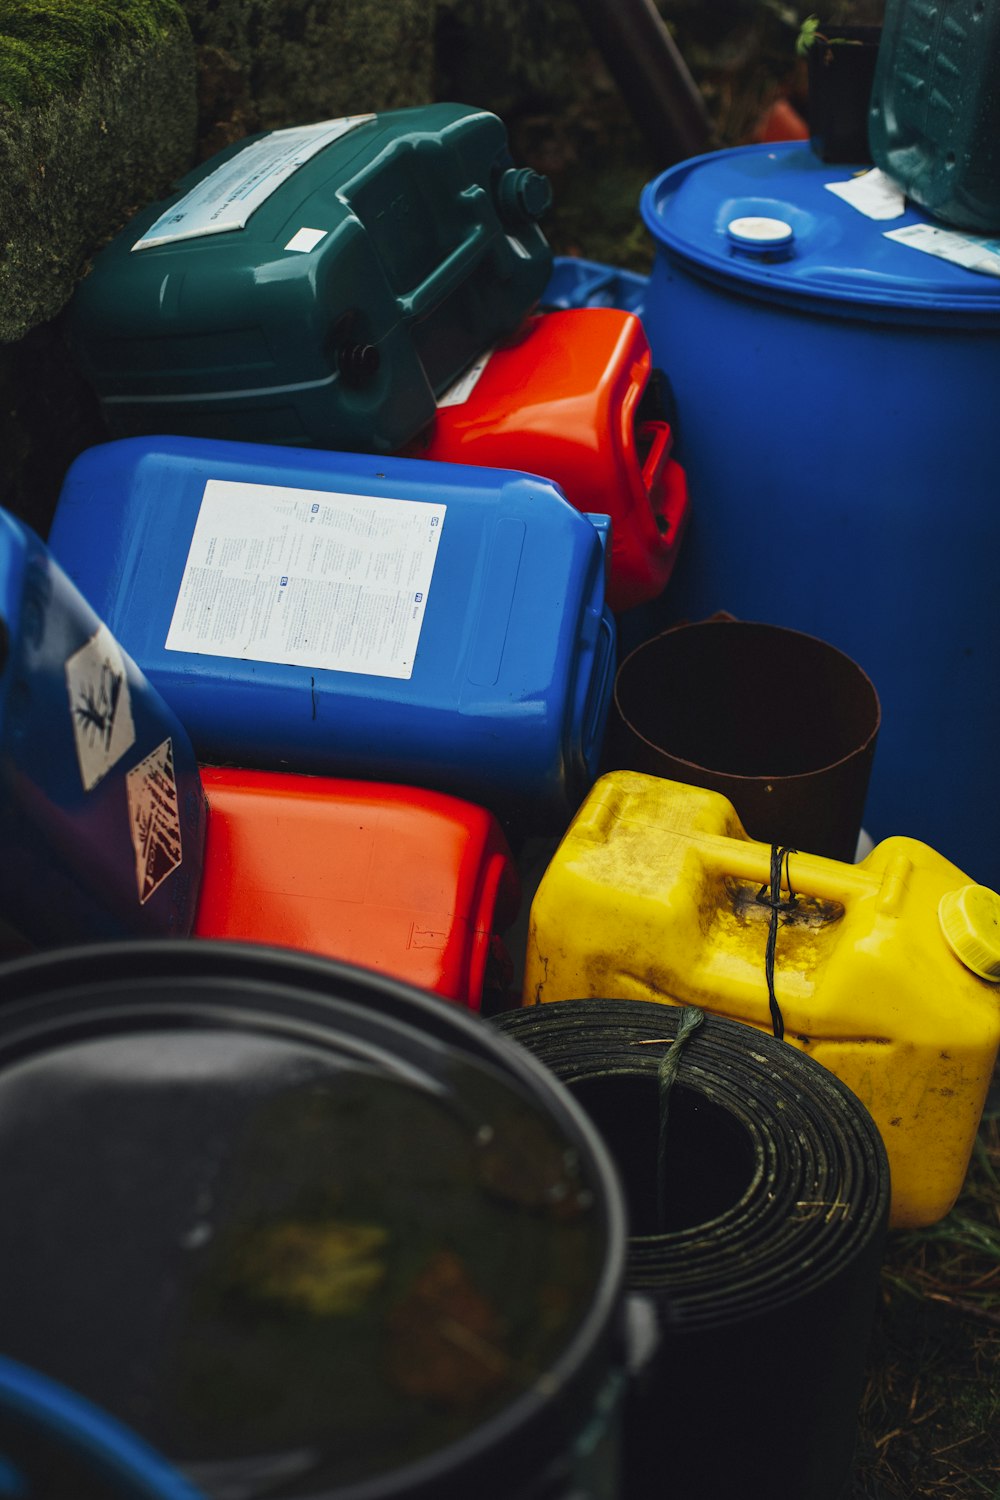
(154, 819)
(100, 706)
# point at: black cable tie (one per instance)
(779, 852)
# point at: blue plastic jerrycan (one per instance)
(102, 816)
(390, 619)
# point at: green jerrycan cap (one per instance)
(523, 195)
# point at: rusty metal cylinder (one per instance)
(781, 723)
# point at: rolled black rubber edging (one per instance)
(759, 1290)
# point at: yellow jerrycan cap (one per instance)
(970, 921)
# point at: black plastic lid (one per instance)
(306, 1230)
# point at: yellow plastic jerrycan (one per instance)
(883, 971)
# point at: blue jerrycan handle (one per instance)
(92, 1442)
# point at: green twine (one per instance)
(691, 1019)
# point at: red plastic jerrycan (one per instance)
(414, 884)
(574, 397)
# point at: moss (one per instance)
(46, 46)
(302, 61)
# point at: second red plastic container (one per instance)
(414, 884)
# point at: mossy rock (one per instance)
(296, 61)
(109, 124)
(48, 46)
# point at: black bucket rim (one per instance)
(585, 1362)
(784, 632)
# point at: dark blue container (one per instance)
(836, 396)
(393, 619)
(102, 817)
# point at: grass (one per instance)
(46, 45)
(930, 1416)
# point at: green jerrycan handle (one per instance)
(453, 270)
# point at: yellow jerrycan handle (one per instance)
(884, 971)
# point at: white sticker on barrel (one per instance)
(99, 705)
(461, 389)
(872, 193)
(976, 252)
(225, 199)
(154, 819)
(311, 578)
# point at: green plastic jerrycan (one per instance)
(317, 286)
(934, 123)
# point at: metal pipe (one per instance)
(652, 75)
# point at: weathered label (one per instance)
(154, 818)
(225, 199)
(309, 578)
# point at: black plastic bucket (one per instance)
(758, 1192)
(781, 723)
(841, 71)
(307, 1231)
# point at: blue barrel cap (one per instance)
(829, 254)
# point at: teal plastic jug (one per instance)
(935, 111)
(316, 286)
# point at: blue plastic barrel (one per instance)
(386, 618)
(836, 395)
